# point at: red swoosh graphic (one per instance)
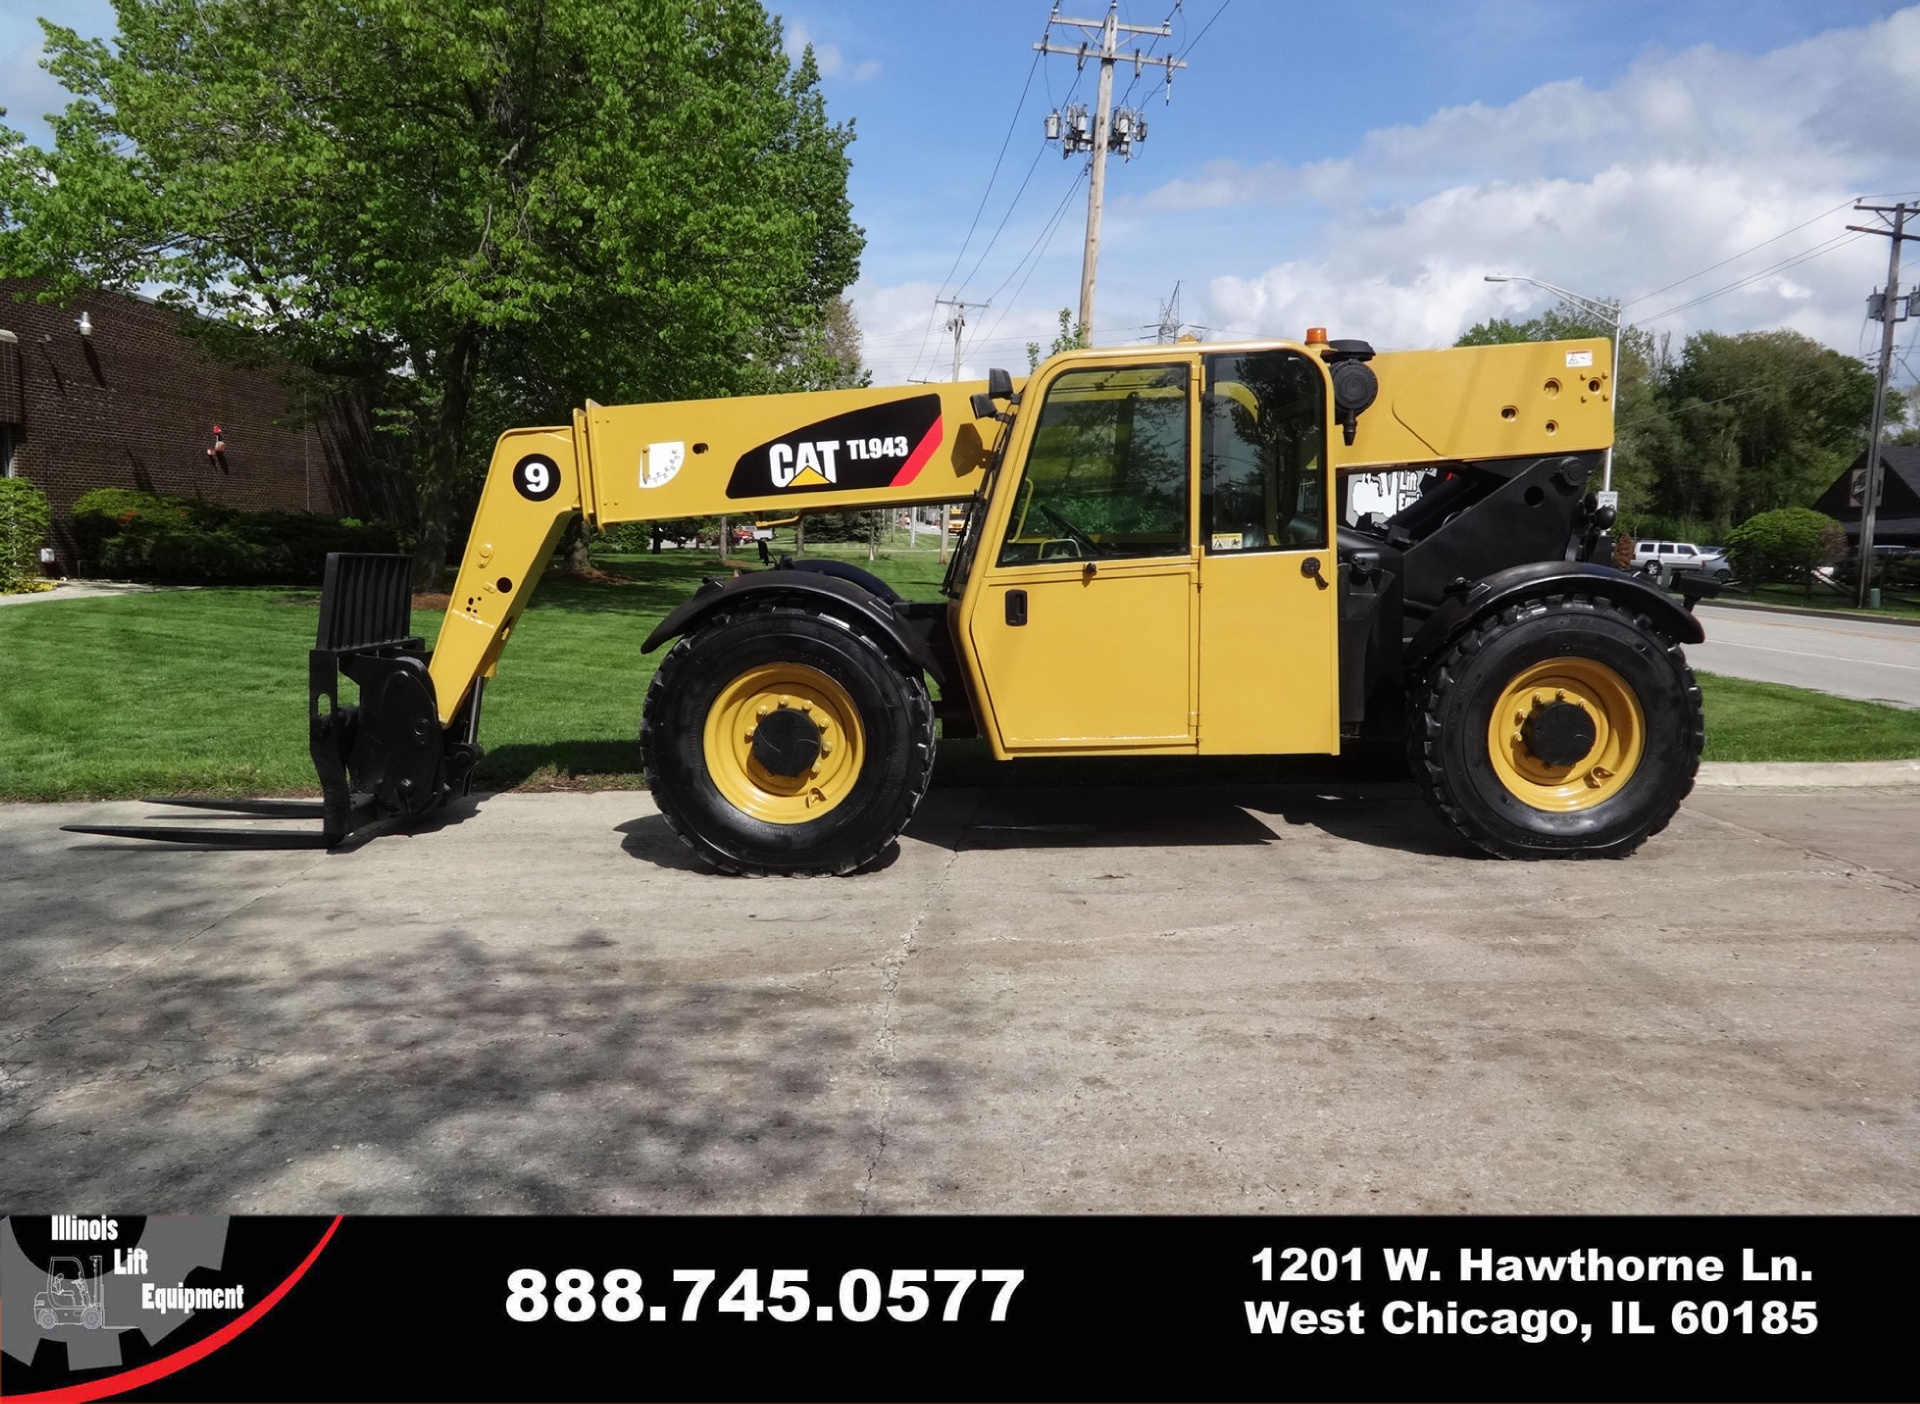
(918, 458)
(180, 1359)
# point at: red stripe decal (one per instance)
(918, 458)
(180, 1359)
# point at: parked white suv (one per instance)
(1682, 558)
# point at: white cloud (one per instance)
(903, 336)
(1688, 159)
(833, 63)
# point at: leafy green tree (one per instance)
(472, 215)
(1567, 322)
(1734, 426)
(1770, 419)
(24, 518)
(1071, 337)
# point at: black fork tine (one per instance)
(213, 838)
(262, 808)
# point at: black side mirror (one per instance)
(999, 384)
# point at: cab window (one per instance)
(1107, 475)
(1263, 474)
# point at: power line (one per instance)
(1204, 28)
(1012, 123)
(1735, 257)
(1036, 251)
(1032, 166)
(1820, 250)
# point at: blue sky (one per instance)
(1354, 166)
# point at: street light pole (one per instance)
(1609, 312)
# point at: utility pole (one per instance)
(1110, 131)
(957, 324)
(1889, 307)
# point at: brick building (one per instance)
(108, 391)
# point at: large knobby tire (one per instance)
(845, 757)
(1562, 727)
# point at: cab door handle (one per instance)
(1016, 607)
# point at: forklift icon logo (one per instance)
(70, 1299)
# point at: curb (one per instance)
(1807, 775)
(1719, 603)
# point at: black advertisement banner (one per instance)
(1344, 1308)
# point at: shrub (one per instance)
(150, 537)
(1788, 544)
(24, 518)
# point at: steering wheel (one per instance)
(1072, 532)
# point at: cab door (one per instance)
(1083, 618)
(1269, 580)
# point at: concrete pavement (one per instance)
(1858, 658)
(1281, 998)
(89, 590)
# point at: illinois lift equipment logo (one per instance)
(878, 446)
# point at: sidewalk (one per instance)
(90, 590)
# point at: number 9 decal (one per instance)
(536, 478)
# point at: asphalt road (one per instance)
(1179, 1000)
(1858, 658)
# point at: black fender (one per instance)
(1504, 587)
(844, 570)
(830, 595)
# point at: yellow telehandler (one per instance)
(1155, 561)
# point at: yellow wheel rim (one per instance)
(734, 720)
(1612, 711)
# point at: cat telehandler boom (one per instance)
(1154, 561)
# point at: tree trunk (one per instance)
(800, 537)
(576, 548)
(440, 474)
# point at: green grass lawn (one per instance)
(1894, 604)
(1756, 721)
(204, 691)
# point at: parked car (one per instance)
(1681, 558)
(1898, 567)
